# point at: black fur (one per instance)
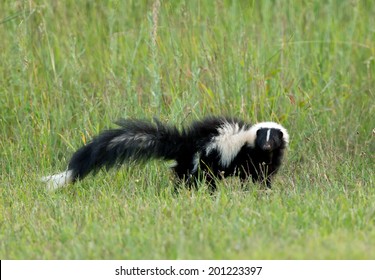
(137, 140)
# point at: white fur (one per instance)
(58, 180)
(232, 138)
(268, 134)
(229, 142)
(143, 140)
(197, 158)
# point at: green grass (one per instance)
(70, 68)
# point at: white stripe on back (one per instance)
(229, 142)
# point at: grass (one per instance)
(70, 68)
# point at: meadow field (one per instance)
(71, 68)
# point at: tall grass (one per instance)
(70, 68)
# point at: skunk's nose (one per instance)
(267, 147)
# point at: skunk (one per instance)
(210, 149)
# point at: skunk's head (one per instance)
(269, 136)
(269, 139)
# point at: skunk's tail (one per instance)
(135, 140)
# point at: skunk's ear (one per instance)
(281, 134)
(258, 132)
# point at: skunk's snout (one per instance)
(267, 147)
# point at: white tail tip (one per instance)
(57, 181)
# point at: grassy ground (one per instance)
(70, 68)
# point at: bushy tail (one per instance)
(135, 140)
